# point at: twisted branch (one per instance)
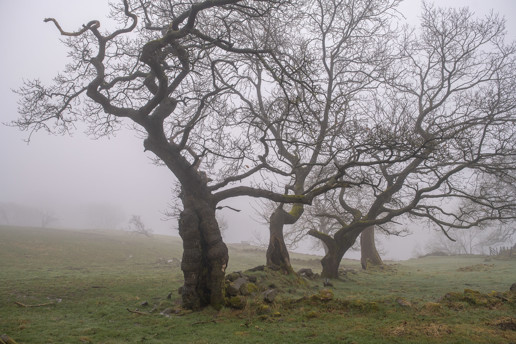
(94, 24)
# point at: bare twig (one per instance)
(204, 322)
(227, 206)
(38, 305)
(5, 339)
(137, 312)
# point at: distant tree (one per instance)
(103, 215)
(24, 215)
(48, 217)
(136, 225)
(501, 235)
(465, 241)
(4, 218)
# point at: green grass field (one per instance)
(59, 286)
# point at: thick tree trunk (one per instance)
(277, 252)
(331, 262)
(205, 256)
(369, 253)
(336, 248)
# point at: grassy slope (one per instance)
(91, 278)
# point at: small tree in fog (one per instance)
(103, 216)
(48, 217)
(136, 225)
(502, 235)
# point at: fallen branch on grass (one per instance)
(204, 322)
(137, 312)
(39, 305)
(5, 339)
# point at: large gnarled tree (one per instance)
(173, 70)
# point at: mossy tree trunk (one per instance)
(331, 262)
(369, 254)
(205, 256)
(277, 255)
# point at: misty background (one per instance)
(79, 182)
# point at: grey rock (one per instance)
(307, 273)
(258, 268)
(233, 276)
(167, 311)
(270, 295)
(234, 287)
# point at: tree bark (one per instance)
(277, 255)
(369, 253)
(205, 256)
(336, 248)
(331, 262)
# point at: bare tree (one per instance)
(103, 215)
(48, 217)
(331, 57)
(136, 225)
(24, 215)
(4, 219)
(501, 235)
(173, 70)
(200, 81)
(466, 241)
(449, 98)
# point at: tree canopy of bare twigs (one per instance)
(331, 61)
(448, 95)
(286, 100)
(136, 225)
(175, 71)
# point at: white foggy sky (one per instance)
(60, 173)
